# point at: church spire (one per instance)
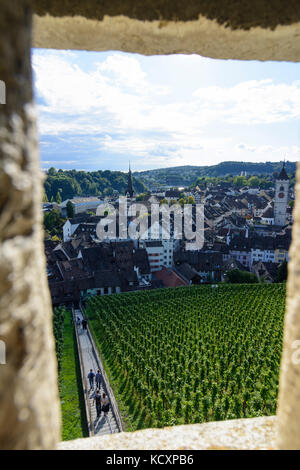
(283, 175)
(129, 190)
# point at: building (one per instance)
(240, 250)
(80, 204)
(281, 197)
(170, 278)
(267, 216)
(71, 225)
(155, 252)
(265, 271)
(262, 249)
(172, 194)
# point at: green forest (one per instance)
(65, 184)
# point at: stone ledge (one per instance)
(202, 36)
(236, 434)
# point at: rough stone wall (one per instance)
(235, 434)
(289, 390)
(29, 411)
(241, 14)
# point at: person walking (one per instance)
(84, 324)
(78, 321)
(105, 404)
(97, 402)
(91, 377)
(98, 379)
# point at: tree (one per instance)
(237, 276)
(253, 182)
(51, 171)
(239, 181)
(191, 200)
(141, 197)
(70, 210)
(282, 272)
(164, 201)
(53, 222)
(58, 197)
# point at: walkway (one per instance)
(104, 425)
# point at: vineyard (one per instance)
(58, 331)
(191, 354)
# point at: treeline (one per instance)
(187, 175)
(262, 182)
(66, 184)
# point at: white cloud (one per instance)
(116, 107)
(252, 102)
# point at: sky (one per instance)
(100, 110)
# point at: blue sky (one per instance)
(98, 110)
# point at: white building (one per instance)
(81, 204)
(155, 252)
(268, 216)
(260, 254)
(281, 197)
(69, 228)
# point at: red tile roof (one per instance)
(170, 278)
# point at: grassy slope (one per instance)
(72, 400)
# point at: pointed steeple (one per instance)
(129, 190)
(283, 175)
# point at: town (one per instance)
(246, 238)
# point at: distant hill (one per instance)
(187, 175)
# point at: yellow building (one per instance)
(280, 255)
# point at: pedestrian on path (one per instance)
(91, 377)
(105, 404)
(84, 324)
(78, 321)
(98, 379)
(97, 402)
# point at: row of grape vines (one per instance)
(58, 330)
(193, 354)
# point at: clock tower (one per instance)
(281, 197)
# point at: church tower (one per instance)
(129, 190)
(281, 197)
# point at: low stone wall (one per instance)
(236, 434)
